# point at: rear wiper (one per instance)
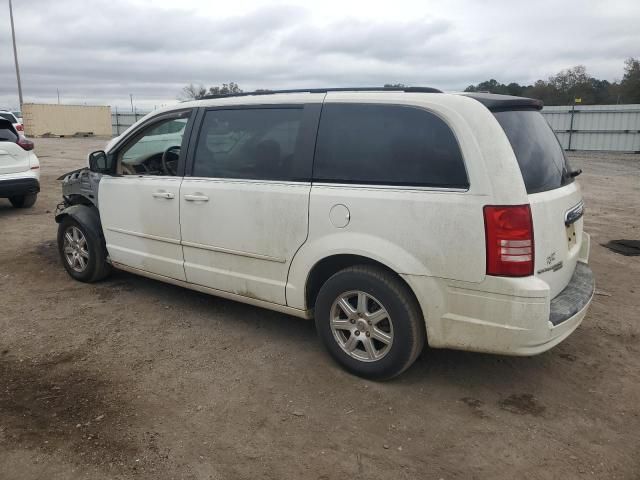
(574, 173)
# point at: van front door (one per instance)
(139, 205)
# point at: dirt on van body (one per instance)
(132, 378)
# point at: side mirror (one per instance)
(99, 162)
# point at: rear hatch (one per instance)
(555, 198)
(13, 158)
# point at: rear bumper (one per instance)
(24, 184)
(575, 297)
(511, 316)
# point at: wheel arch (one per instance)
(87, 216)
(323, 269)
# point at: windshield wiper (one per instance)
(574, 173)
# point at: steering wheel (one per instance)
(175, 150)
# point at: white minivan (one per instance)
(391, 216)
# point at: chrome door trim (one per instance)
(234, 252)
(144, 235)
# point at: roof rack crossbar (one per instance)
(325, 90)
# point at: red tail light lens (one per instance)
(20, 127)
(509, 237)
(25, 143)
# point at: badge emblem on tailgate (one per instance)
(551, 267)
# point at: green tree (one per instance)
(630, 84)
(493, 86)
(225, 89)
(196, 92)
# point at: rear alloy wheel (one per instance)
(370, 322)
(82, 252)
(361, 326)
(23, 201)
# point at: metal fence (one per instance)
(120, 121)
(583, 127)
(613, 128)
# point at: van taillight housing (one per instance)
(509, 237)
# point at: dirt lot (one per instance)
(135, 378)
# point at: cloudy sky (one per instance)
(100, 51)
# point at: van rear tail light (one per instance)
(25, 143)
(20, 127)
(509, 238)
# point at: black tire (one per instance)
(23, 201)
(97, 267)
(403, 311)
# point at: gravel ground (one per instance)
(135, 378)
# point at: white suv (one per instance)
(19, 167)
(392, 217)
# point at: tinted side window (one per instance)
(541, 159)
(387, 144)
(259, 143)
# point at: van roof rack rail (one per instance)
(325, 90)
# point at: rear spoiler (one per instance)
(496, 103)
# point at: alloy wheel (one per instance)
(362, 326)
(75, 249)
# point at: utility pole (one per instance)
(15, 54)
(58, 90)
(573, 111)
(131, 98)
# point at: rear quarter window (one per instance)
(387, 145)
(542, 161)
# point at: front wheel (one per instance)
(82, 252)
(370, 322)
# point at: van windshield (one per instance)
(541, 159)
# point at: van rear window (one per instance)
(542, 161)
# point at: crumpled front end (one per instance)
(80, 187)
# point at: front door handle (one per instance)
(196, 198)
(167, 195)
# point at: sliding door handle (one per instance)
(196, 197)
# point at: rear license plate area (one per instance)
(571, 236)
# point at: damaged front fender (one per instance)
(87, 216)
(80, 187)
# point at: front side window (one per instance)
(156, 150)
(387, 145)
(259, 143)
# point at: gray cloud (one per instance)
(99, 52)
